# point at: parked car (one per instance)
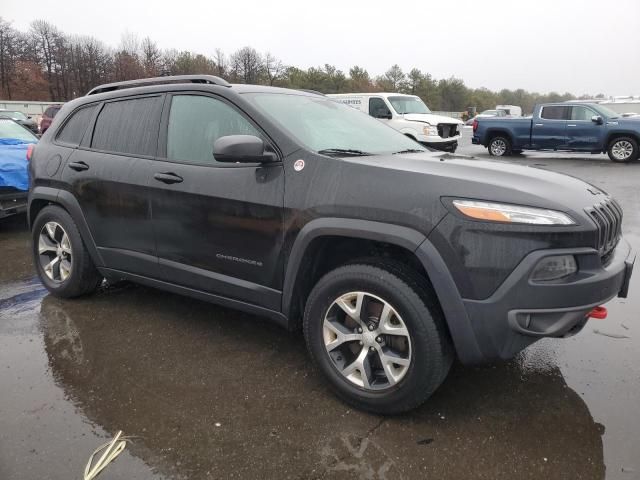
(510, 110)
(15, 141)
(409, 115)
(487, 113)
(20, 118)
(48, 116)
(576, 127)
(286, 204)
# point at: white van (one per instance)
(512, 110)
(407, 114)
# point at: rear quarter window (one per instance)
(555, 112)
(128, 126)
(74, 128)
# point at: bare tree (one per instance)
(246, 65)
(273, 68)
(9, 49)
(151, 58)
(221, 63)
(43, 36)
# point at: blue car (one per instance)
(578, 127)
(15, 142)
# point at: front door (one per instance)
(218, 226)
(582, 132)
(549, 131)
(109, 175)
(379, 109)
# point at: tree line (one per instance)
(46, 64)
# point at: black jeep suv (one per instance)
(285, 204)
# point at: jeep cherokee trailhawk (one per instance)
(393, 259)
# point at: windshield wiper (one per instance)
(409, 150)
(343, 151)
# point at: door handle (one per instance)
(572, 125)
(539, 124)
(168, 177)
(78, 166)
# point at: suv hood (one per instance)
(465, 177)
(430, 118)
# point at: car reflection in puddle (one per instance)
(209, 390)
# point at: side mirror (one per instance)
(241, 149)
(597, 119)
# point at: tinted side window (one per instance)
(555, 112)
(128, 126)
(377, 107)
(74, 128)
(196, 122)
(581, 113)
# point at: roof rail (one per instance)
(143, 82)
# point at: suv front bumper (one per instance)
(521, 311)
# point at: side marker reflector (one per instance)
(599, 312)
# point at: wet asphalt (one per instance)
(207, 392)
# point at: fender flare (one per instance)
(446, 290)
(491, 132)
(67, 201)
(619, 133)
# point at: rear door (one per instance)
(218, 226)
(582, 132)
(109, 174)
(549, 130)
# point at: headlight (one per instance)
(554, 268)
(502, 212)
(430, 130)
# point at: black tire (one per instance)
(499, 146)
(626, 141)
(83, 277)
(413, 298)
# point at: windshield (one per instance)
(323, 124)
(10, 129)
(607, 112)
(404, 105)
(14, 115)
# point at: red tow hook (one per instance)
(599, 312)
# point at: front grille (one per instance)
(446, 130)
(608, 217)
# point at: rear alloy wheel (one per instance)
(623, 150)
(376, 332)
(60, 256)
(55, 254)
(499, 147)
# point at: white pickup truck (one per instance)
(407, 114)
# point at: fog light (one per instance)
(554, 268)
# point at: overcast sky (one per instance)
(561, 45)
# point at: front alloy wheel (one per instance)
(367, 341)
(375, 331)
(54, 252)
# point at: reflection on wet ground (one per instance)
(213, 393)
(208, 390)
